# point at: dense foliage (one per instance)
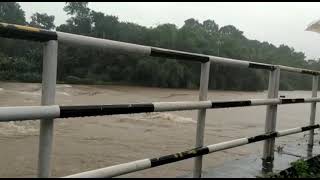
(299, 169)
(21, 60)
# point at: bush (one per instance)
(302, 168)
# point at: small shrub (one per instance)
(301, 167)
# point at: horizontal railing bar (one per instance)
(55, 111)
(26, 33)
(19, 113)
(35, 34)
(139, 165)
(299, 70)
(167, 53)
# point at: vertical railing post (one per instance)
(312, 114)
(204, 81)
(49, 74)
(271, 120)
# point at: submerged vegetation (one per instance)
(22, 60)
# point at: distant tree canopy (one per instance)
(43, 21)
(21, 60)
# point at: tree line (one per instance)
(22, 60)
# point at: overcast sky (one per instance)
(275, 22)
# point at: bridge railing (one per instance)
(48, 111)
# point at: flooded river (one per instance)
(82, 144)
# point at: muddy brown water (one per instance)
(82, 144)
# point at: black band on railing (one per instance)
(26, 33)
(225, 104)
(81, 111)
(262, 137)
(178, 156)
(307, 128)
(156, 52)
(291, 101)
(99, 110)
(304, 71)
(261, 66)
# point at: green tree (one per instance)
(11, 12)
(80, 20)
(21, 60)
(43, 21)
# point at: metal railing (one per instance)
(48, 111)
